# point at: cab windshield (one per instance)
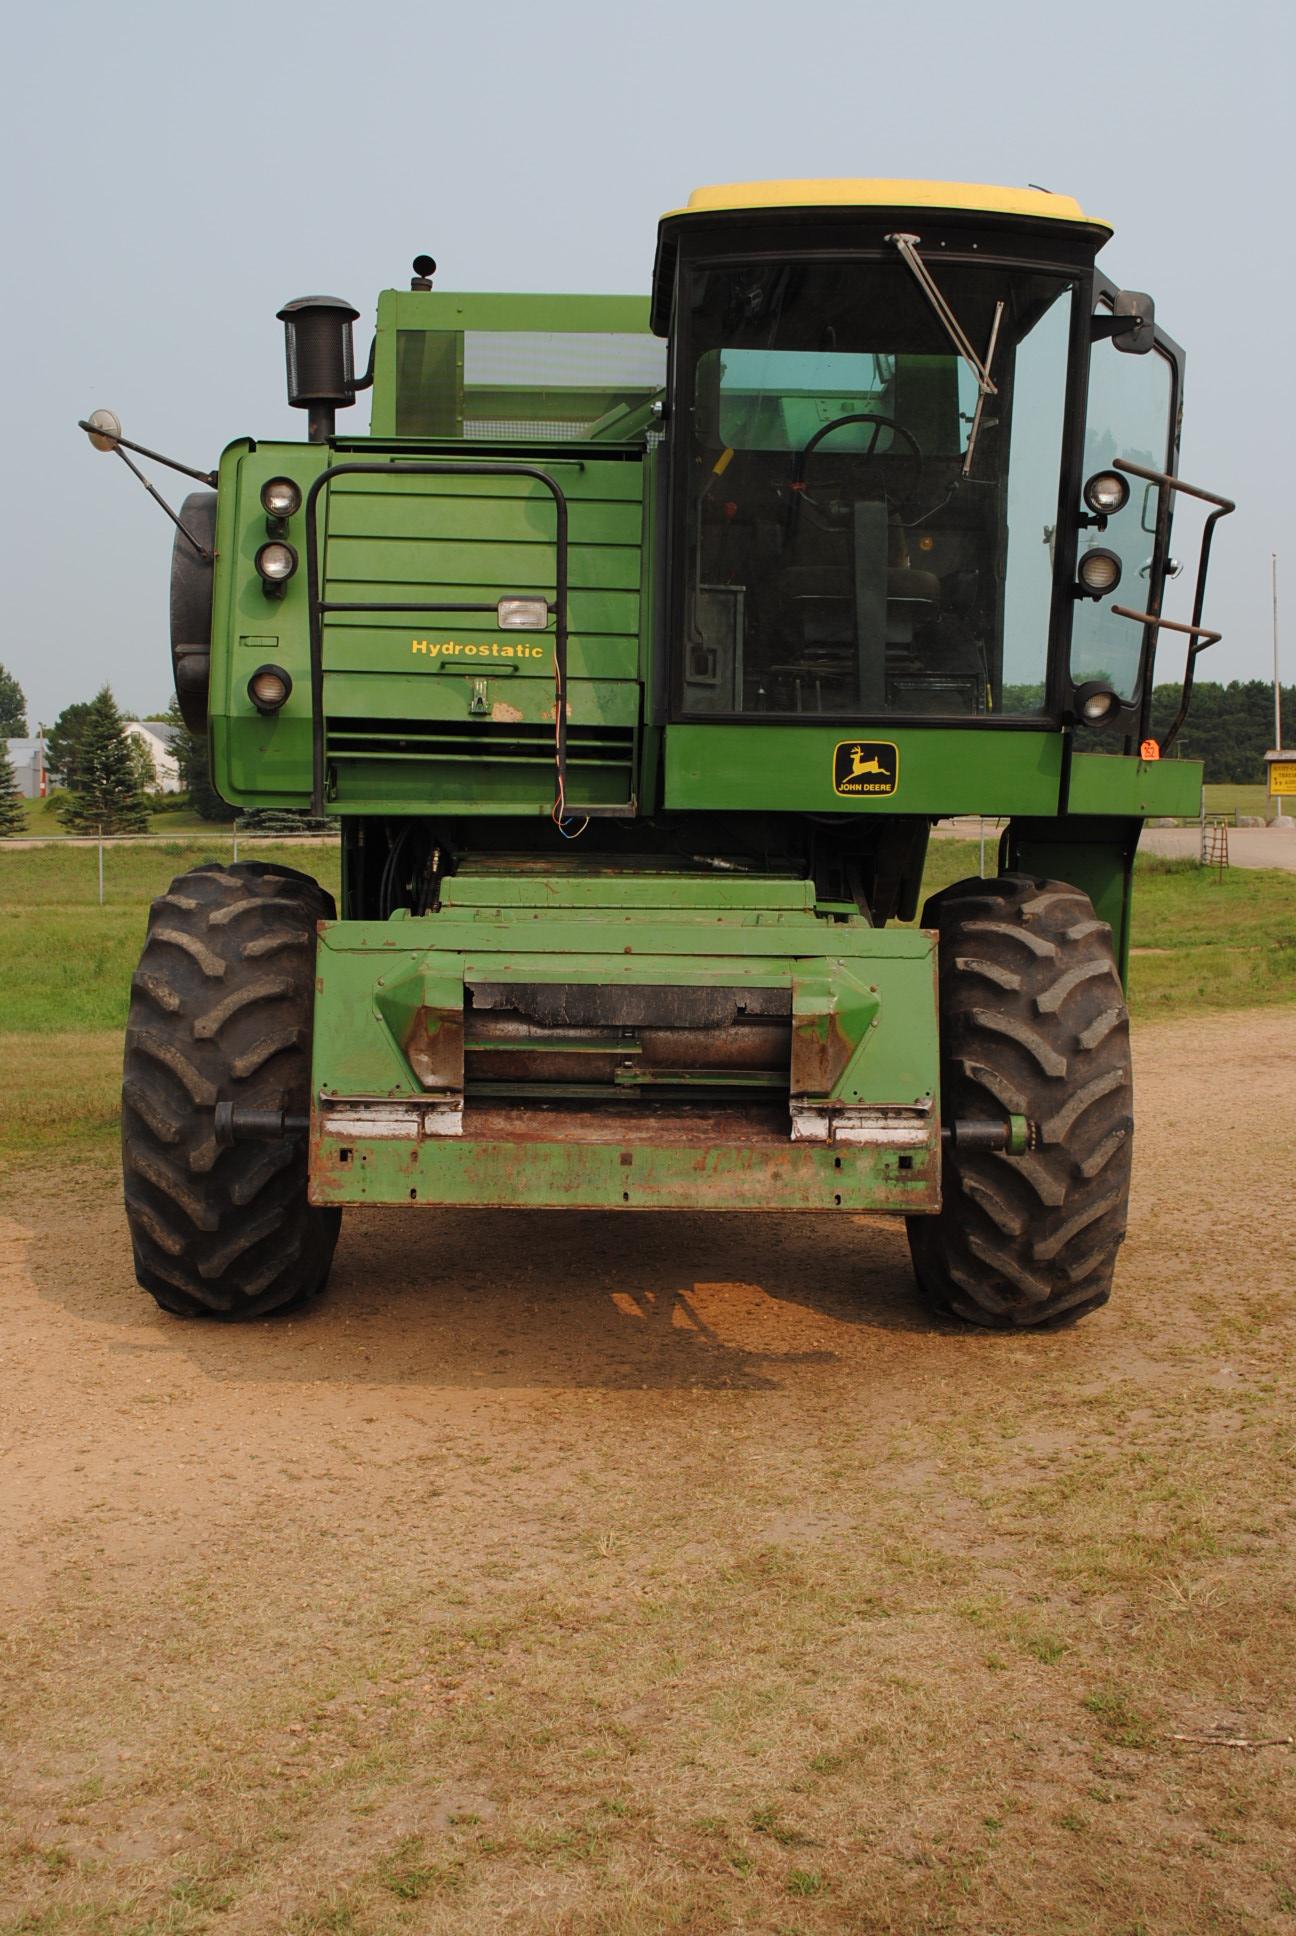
(845, 552)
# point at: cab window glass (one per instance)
(863, 534)
(1130, 404)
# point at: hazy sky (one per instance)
(175, 173)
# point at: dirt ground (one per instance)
(627, 1574)
(1248, 846)
(1271, 846)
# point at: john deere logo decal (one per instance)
(865, 766)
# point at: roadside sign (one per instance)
(1282, 774)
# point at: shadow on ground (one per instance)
(525, 1299)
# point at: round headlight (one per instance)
(268, 688)
(276, 561)
(1106, 493)
(280, 497)
(1096, 703)
(1099, 572)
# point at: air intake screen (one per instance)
(488, 384)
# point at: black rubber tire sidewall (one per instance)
(222, 1010)
(191, 608)
(1032, 1022)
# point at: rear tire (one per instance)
(191, 608)
(221, 1010)
(1033, 1023)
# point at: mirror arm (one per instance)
(141, 450)
(208, 557)
(1104, 326)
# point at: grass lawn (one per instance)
(1239, 799)
(66, 962)
(43, 822)
(65, 970)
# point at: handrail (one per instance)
(318, 605)
(1201, 637)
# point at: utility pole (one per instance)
(1273, 562)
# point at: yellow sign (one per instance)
(1282, 776)
(491, 650)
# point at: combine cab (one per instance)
(635, 651)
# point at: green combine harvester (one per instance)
(635, 651)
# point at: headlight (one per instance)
(1099, 572)
(276, 562)
(522, 614)
(1096, 704)
(1106, 493)
(268, 688)
(280, 497)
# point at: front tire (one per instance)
(221, 1010)
(1033, 1023)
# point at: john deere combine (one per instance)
(635, 651)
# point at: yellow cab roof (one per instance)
(871, 192)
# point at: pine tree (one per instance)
(13, 707)
(108, 798)
(63, 744)
(13, 811)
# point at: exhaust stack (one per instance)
(321, 359)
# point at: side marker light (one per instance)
(1099, 572)
(268, 688)
(275, 562)
(1096, 704)
(522, 614)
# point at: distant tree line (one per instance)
(1229, 728)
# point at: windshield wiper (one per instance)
(907, 245)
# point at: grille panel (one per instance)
(485, 740)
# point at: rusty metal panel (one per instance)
(637, 1159)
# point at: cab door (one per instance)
(1133, 412)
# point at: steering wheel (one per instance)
(914, 454)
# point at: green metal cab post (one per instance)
(635, 650)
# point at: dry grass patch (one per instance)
(60, 1094)
(470, 1601)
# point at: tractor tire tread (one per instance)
(224, 1232)
(1033, 1022)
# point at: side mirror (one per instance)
(1131, 323)
(1138, 312)
(103, 427)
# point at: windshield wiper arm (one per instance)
(908, 248)
(985, 391)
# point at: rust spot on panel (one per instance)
(820, 1051)
(435, 1048)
